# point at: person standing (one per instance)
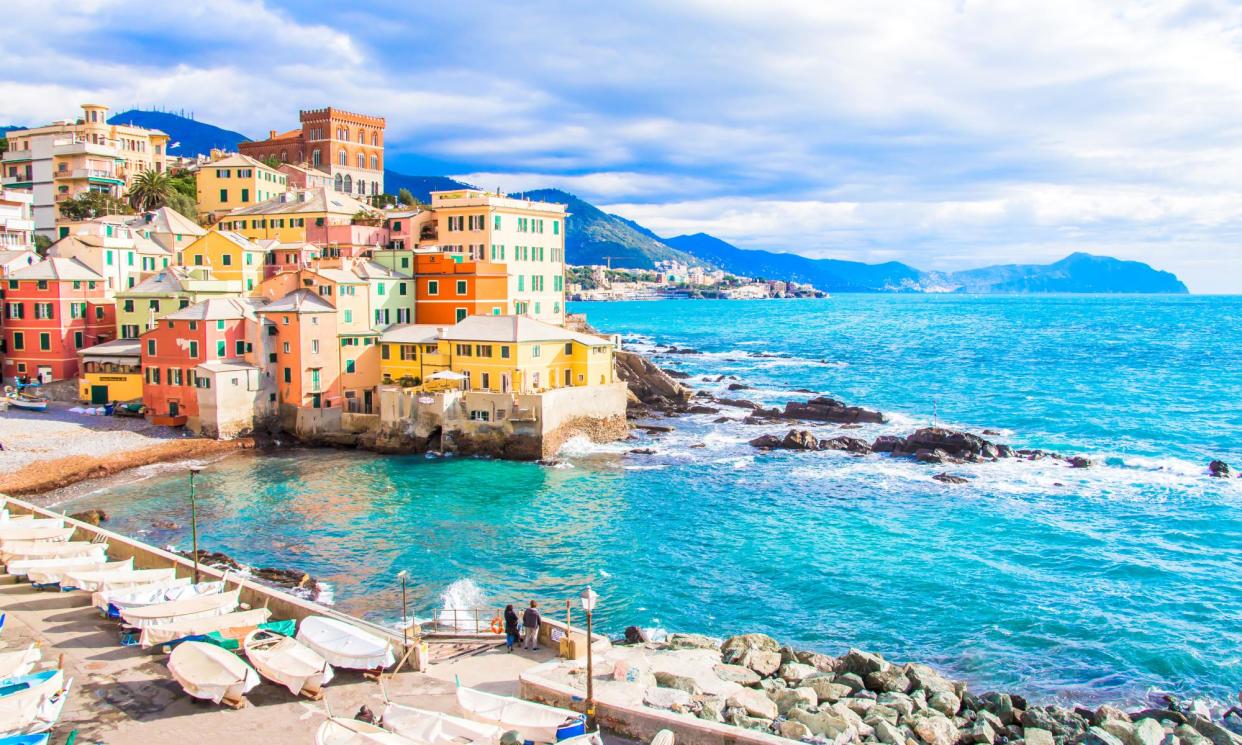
(511, 626)
(530, 626)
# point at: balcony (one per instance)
(15, 225)
(81, 147)
(17, 181)
(92, 174)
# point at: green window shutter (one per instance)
(220, 348)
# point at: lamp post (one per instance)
(405, 625)
(589, 598)
(194, 522)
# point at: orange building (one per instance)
(348, 147)
(308, 369)
(447, 291)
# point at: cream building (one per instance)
(58, 161)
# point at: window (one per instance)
(349, 316)
(486, 382)
(45, 341)
(349, 366)
(409, 352)
(239, 347)
(286, 348)
(15, 309)
(19, 341)
(534, 351)
(433, 287)
(288, 375)
(375, 165)
(194, 350)
(245, 195)
(402, 289)
(77, 339)
(379, 288)
(174, 376)
(43, 311)
(461, 287)
(224, 195)
(150, 347)
(342, 158)
(496, 222)
(482, 350)
(221, 348)
(461, 314)
(504, 352)
(314, 346)
(362, 159)
(556, 227)
(226, 260)
(315, 157)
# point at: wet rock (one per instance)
(861, 663)
(1219, 469)
(677, 682)
(682, 350)
(825, 688)
(165, 525)
(740, 403)
(737, 674)
(824, 409)
(635, 635)
(887, 444)
(795, 440)
(952, 443)
(951, 479)
(849, 444)
(934, 729)
(739, 387)
(892, 679)
(1145, 732)
(697, 446)
(1000, 705)
(754, 703)
(1078, 461)
(1106, 712)
(691, 641)
(700, 409)
(1061, 723)
(642, 451)
(676, 374)
(655, 429)
(90, 517)
(991, 432)
(1123, 730)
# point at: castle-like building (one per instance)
(348, 147)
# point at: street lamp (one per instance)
(405, 626)
(589, 597)
(194, 521)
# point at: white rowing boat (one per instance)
(343, 644)
(92, 581)
(284, 660)
(23, 533)
(342, 731)
(19, 567)
(247, 619)
(436, 728)
(135, 581)
(18, 524)
(15, 550)
(208, 672)
(19, 662)
(151, 593)
(535, 722)
(185, 609)
(56, 575)
(32, 703)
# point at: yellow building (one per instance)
(286, 217)
(504, 354)
(234, 181)
(166, 291)
(111, 371)
(231, 257)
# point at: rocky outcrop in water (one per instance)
(824, 409)
(90, 517)
(860, 698)
(1219, 469)
(801, 439)
(651, 389)
(293, 581)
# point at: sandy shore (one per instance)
(52, 449)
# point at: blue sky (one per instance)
(944, 134)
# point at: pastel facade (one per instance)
(111, 371)
(289, 257)
(16, 220)
(139, 308)
(346, 146)
(301, 177)
(285, 217)
(52, 310)
(307, 363)
(121, 254)
(448, 291)
(232, 257)
(235, 181)
(347, 240)
(58, 161)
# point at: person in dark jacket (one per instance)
(530, 626)
(511, 627)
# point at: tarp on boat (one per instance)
(341, 731)
(32, 703)
(156, 635)
(184, 609)
(232, 638)
(14, 550)
(437, 728)
(535, 722)
(148, 594)
(55, 575)
(208, 672)
(19, 567)
(19, 662)
(16, 525)
(24, 533)
(287, 661)
(91, 581)
(343, 644)
(135, 581)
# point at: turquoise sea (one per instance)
(1102, 584)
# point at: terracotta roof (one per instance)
(57, 268)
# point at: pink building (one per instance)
(347, 240)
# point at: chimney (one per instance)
(271, 134)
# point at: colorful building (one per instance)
(52, 310)
(167, 291)
(60, 160)
(214, 329)
(301, 177)
(289, 257)
(503, 354)
(120, 254)
(16, 220)
(285, 217)
(232, 257)
(347, 240)
(111, 371)
(234, 181)
(348, 147)
(307, 362)
(448, 290)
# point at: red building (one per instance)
(215, 329)
(52, 310)
(346, 146)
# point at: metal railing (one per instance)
(463, 621)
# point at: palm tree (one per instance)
(150, 190)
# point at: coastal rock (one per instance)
(737, 674)
(795, 672)
(794, 698)
(792, 730)
(651, 386)
(824, 409)
(934, 729)
(825, 688)
(900, 702)
(740, 403)
(945, 444)
(891, 679)
(90, 517)
(821, 662)
(677, 682)
(1078, 461)
(636, 635)
(1213, 731)
(1000, 705)
(764, 663)
(889, 734)
(827, 723)
(929, 681)
(755, 703)
(711, 709)
(945, 702)
(1097, 736)
(1037, 736)
(701, 409)
(1062, 723)
(849, 444)
(734, 646)
(677, 374)
(682, 350)
(691, 641)
(887, 444)
(1145, 732)
(861, 663)
(739, 718)
(1106, 712)
(851, 680)
(979, 734)
(1220, 469)
(860, 706)
(665, 698)
(950, 478)
(739, 387)
(642, 451)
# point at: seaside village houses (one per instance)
(294, 303)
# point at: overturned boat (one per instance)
(16, 550)
(55, 575)
(535, 722)
(92, 581)
(32, 703)
(114, 600)
(343, 644)
(19, 662)
(179, 630)
(205, 671)
(342, 731)
(284, 660)
(184, 609)
(437, 728)
(20, 567)
(25, 533)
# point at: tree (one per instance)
(381, 201)
(41, 244)
(187, 206)
(366, 217)
(406, 197)
(272, 162)
(184, 181)
(4, 145)
(150, 190)
(90, 204)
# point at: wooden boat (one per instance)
(16, 528)
(44, 550)
(32, 703)
(436, 728)
(205, 671)
(342, 731)
(19, 662)
(44, 576)
(113, 601)
(25, 401)
(20, 567)
(284, 660)
(535, 722)
(184, 609)
(135, 581)
(343, 644)
(21, 534)
(91, 581)
(248, 619)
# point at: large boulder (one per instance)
(891, 679)
(956, 444)
(826, 688)
(734, 646)
(788, 699)
(1037, 736)
(821, 662)
(824, 409)
(1213, 731)
(1097, 736)
(889, 734)
(1062, 723)
(944, 702)
(860, 663)
(737, 674)
(764, 663)
(795, 672)
(1146, 732)
(1001, 705)
(848, 444)
(755, 703)
(1219, 468)
(666, 698)
(899, 702)
(678, 682)
(791, 730)
(826, 723)
(691, 641)
(926, 679)
(934, 729)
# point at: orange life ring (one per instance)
(498, 626)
